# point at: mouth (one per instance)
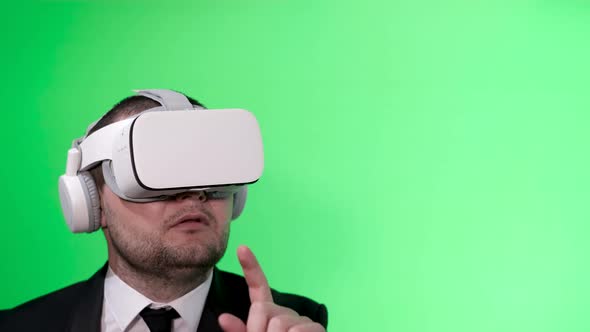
(191, 220)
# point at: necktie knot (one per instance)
(159, 320)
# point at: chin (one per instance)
(197, 256)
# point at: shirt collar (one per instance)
(126, 303)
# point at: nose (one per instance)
(199, 195)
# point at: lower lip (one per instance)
(189, 225)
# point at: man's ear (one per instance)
(103, 219)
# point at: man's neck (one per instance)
(160, 286)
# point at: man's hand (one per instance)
(264, 315)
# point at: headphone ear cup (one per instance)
(239, 202)
(80, 202)
(93, 200)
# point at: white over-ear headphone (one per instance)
(79, 195)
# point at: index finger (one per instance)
(257, 284)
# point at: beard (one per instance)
(149, 253)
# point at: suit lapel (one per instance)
(209, 322)
(223, 299)
(88, 312)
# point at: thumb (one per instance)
(231, 323)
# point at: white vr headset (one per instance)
(156, 155)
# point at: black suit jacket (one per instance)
(78, 308)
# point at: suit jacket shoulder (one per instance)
(73, 308)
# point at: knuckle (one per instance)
(277, 323)
(260, 307)
(307, 327)
(256, 306)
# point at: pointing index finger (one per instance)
(255, 278)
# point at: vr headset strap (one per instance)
(170, 100)
(93, 147)
(109, 179)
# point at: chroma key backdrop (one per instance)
(427, 164)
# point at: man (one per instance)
(162, 249)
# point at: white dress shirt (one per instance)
(122, 304)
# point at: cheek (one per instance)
(222, 209)
(146, 211)
(135, 214)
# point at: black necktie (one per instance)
(159, 320)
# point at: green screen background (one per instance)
(426, 162)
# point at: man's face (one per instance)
(160, 237)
